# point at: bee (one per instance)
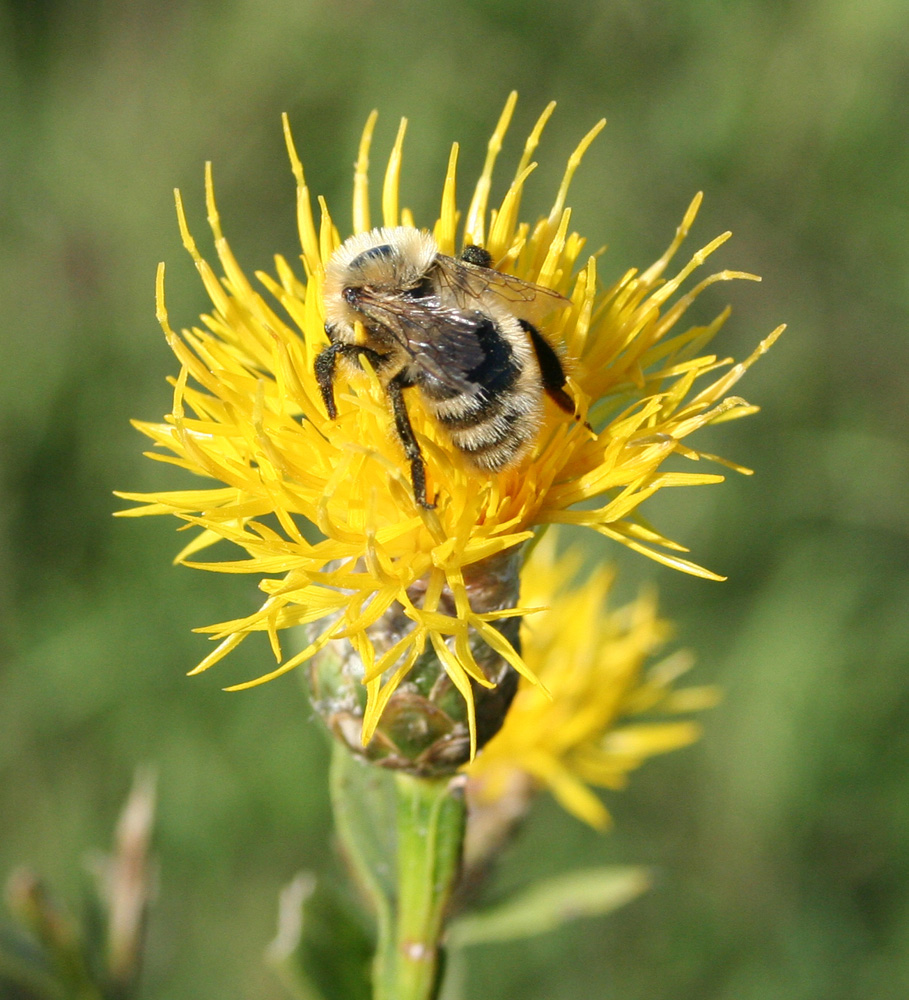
(460, 333)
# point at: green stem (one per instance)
(402, 838)
(431, 817)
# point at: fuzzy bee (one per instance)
(461, 333)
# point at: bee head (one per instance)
(385, 261)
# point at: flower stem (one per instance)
(430, 836)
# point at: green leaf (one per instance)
(550, 904)
(364, 800)
(323, 949)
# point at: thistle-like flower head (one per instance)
(603, 705)
(323, 509)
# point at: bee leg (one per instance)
(324, 370)
(551, 370)
(326, 363)
(408, 438)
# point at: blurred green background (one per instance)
(781, 841)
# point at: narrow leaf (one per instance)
(550, 904)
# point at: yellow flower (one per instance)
(324, 510)
(579, 727)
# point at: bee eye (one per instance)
(421, 291)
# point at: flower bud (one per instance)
(425, 726)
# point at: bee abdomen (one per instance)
(495, 441)
(464, 411)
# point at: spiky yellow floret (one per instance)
(602, 714)
(247, 414)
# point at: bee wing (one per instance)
(465, 283)
(442, 341)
